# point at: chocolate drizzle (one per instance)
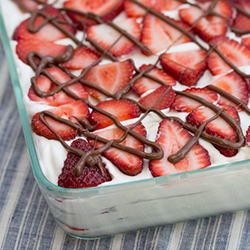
(83, 126)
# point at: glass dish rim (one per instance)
(39, 176)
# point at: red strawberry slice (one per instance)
(106, 9)
(186, 67)
(111, 77)
(222, 8)
(83, 57)
(218, 127)
(246, 41)
(133, 10)
(172, 137)
(235, 85)
(248, 136)
(24, 47)
(186, 104)
(122, 109)
(242, 22)
(77, 109)
(161, 98)
(157, 35)
(46, 85)
(29, 5)
(236, 53)
(110, 39)
(234, 1)
(210, 26)
(127, 163)
(169, 5)
(47, 32)
(145, 84)
(90, 176)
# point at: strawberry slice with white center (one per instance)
(161, 98)
(185, 104)
(170, 4)
(242, 22)
(236, 53)
(122, 109)
(30, 5)
(187, 67)
(82, 58)
(145, 84)
(47, 32)
(133, 10)
(157, 35)
(46, 85)
(111, 39)
(111, 77)
(77, 109)
(218, 127)
(106, 9)
(246, 41)
(24, 47)
(235, 85)
(127, 163)
(210, 26)
(172, 137)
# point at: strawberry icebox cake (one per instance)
(118, 91)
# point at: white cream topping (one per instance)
(51, 153)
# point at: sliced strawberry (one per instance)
(186, 104)
(248, 136)
(242, 22)
(29, 5)
(222, 8)
(166, 5)
(144, 84)
(236, 53)
(112, 40)
(210, 26)
(47, 33)
(91, 176)
(126, 162)
(77, 109)
(24, 47)
(235, 85)
(186, 67)
(122, 109)
(172, 137)
(111, 77)
(161, 98)
(157, 35)
(133, 10)
(106, 9)
(46, 85)
(218, 127)
(83, 57)
(246, 41)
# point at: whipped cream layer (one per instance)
(51, 154)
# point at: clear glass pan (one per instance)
(104, 211)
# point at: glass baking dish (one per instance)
(111, 209)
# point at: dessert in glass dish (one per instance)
(135, 112)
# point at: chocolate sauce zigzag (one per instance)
(86, 129)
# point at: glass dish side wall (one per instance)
(151, 203)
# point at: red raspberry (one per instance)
(90, 177)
